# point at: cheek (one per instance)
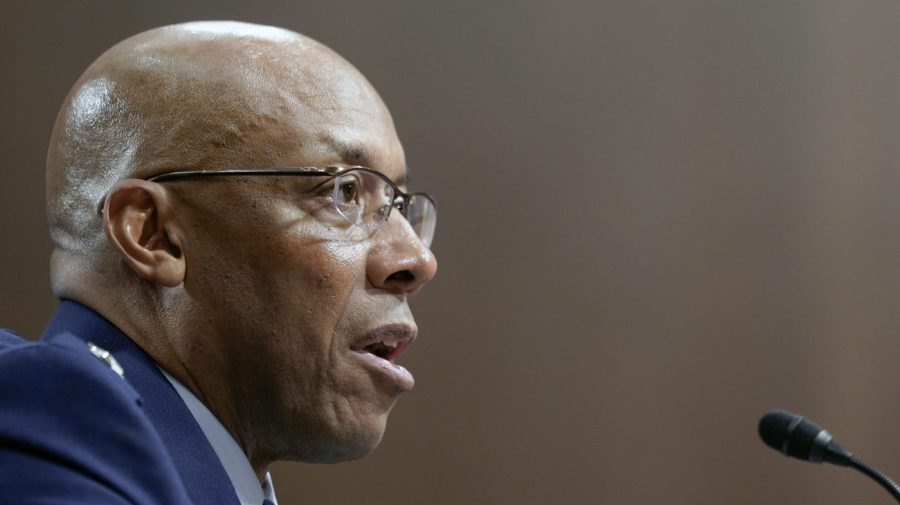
(284, 292)
(305, 288)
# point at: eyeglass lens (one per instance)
(366, 199)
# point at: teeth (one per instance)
(386, 344)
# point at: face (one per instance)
(298, 317)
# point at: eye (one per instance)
(347, 191)
(400, 205)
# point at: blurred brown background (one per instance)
(659, 219)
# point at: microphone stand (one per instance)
(877, 476)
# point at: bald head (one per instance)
(195, 95)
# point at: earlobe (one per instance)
(137, 221)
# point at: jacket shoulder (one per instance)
(73, 430)
(9, 338)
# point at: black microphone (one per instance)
(797, 437)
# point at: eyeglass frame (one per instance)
(308, 171)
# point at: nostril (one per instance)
(402, 277)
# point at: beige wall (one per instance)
(659, 219)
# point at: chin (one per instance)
(340, 444)
(351, 452)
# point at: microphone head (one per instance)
(793, 435)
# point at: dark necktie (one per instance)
(268, 502)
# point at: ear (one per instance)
(137, 218)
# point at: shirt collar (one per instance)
(235, 462)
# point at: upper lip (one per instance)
(388, 341)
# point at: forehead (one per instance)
(344, 120)
(331, 130)
(263, 103)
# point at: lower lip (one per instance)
(396, 374)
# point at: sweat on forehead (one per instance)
(202, 94)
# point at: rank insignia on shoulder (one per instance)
(106, 357)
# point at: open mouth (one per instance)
(386, 343)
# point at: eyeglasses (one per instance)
(362, 196)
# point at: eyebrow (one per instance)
(403, 180)
(356, 154)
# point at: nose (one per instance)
(399, 262)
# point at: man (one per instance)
(217, 245)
